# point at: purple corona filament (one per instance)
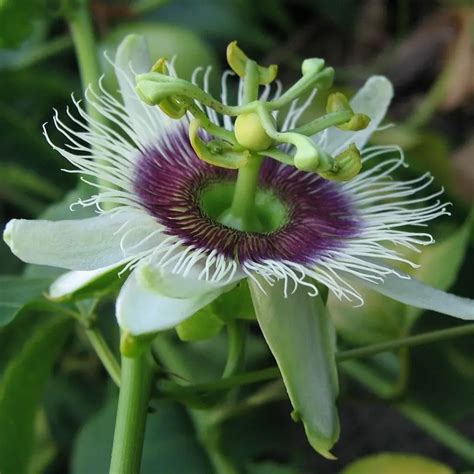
(169, 181)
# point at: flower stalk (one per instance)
(83, 38)
(131, 415)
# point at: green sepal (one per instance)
(134, 346)
(302, 339)
(216, 152)
(200, 326)
(237, 60)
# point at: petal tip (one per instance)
(8, 234)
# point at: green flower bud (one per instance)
(250, 133)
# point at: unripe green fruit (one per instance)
(250, 133)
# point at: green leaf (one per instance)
(28, 181)
(169, 447)
(299, 333)
(21, 390)
(16, 292)
(380, 319)
(438, 367)
(18, 20)
(26, 189)
(202, 325)
(396, 463)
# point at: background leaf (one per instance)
(16, 292)
(170, 446)
(21, 389)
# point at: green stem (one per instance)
(409, 341)
(104, 353)
(41, 52)
(439, 430)
(83, 38)
(321, 123)
(270, 373)
(82, 33)
(131, 415)
(203, 421)
(250, 92)
(209, 435)
(236, 347)
(242, 215)
(400, 387)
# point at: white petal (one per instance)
(413, 292)
(82, 244)
(141, 310)
(373, 100)
(71, 282)
(175, 285)
(133, 58)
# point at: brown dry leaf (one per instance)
(460, 62)
(423, 49)
(443, 44)
(463, 166)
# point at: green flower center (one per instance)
(270, 212)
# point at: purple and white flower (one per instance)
(153, 219)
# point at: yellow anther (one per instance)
(237, 60)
